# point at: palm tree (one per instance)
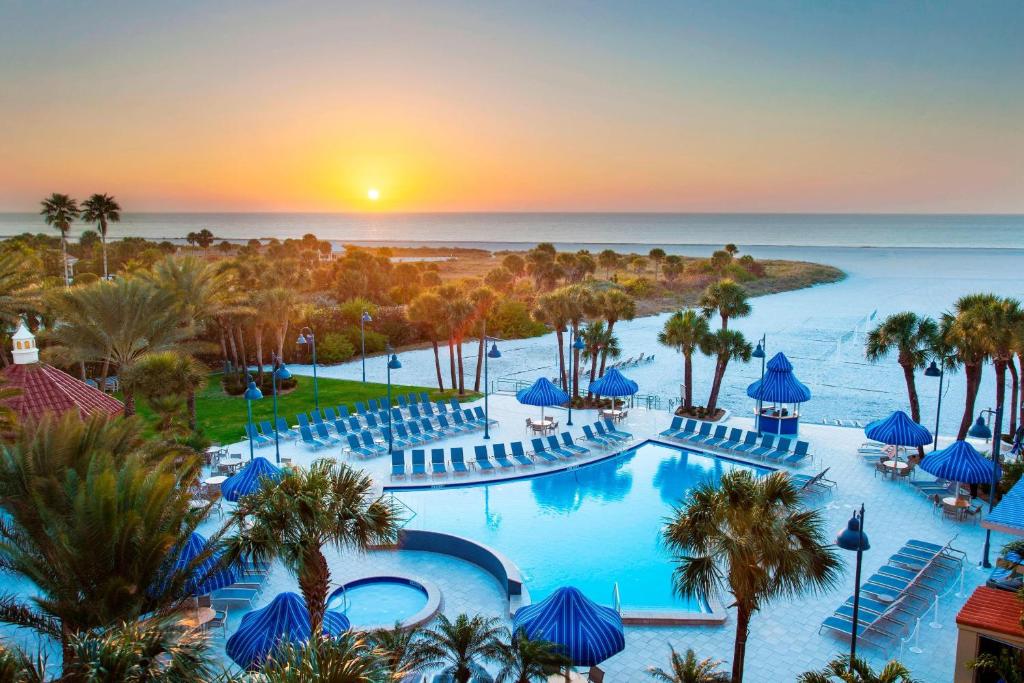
(657, 255)
(426, 311)
(724, 345)
(553, 310)
(751, 537)
(523, 660)
(102, 209)
(348, 658)
(276, 306)
(17, 290)
(167, 379)
(614, 305)
(1017, 395)
(842, 670)
(483, 299)
(458, 311)
(460, 645)
(608, 260)
(685, 331)
(401, 650)
(598, 341)
(726, 298)
(91, 513)
(913, 338)
(1001, 319)
(687, 669)
(60, 211)
(965, 331)
(117, 323)
(326, 504)
(580, 304)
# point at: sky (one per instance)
(814, 106)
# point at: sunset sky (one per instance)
(515, 106)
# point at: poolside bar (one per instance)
(779, 394)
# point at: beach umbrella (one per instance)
(200, 580)
(898, 430)
(614, 383)
(284, 619)
(542, 393)
(248, 479)
(959, 462)
(585, 632)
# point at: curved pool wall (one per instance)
(430, 591)
(593, 526)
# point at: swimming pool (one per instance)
(590, 527)
(379, 602)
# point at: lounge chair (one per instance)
(284, 431)
(303, 420)
(749, 443)
(397, 463)
(329, 414)
(500, 457)
(458, 461)
(589, 435)
(615, 431)
(567, 442)
(424, 397)
(446, 427)
(323, 435)
(429, 432)
(357, 448)
(396, 415)
(454, 402)
(341, 428)
(442, 407)
(254, 436)
(674, 428)
(482, 460)
(416, 433)
(437, 461)
(233, 595)
(309, 439)
(371, 422)
(481, 416)
(766, 447)
(372, 445)
(395, 440)
(268, 430)
(457, 417)
(428, 408)
(703, 434)
(401, 402)
(316, 417)
(556, 447)
(371, 406)
(601, 431)
(818, 481)
(718, 439)
(540, 450)
(799, 453)
(419, 462)
(519, 454)
(780, 451)
(688, 429)
(404, 436)
(414, 411)
(360, 408)
(342, 412)
(354, 425)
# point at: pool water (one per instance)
(590, 527)
(378, 602)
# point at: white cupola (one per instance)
(25, 351)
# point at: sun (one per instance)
(373, 194)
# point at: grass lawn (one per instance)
(222, 418)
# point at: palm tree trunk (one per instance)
(1000, 365)
(451, 361)
(1020, 406)
(129, 401)
(104, 371)
(593, 371)
(688, 380)
(437, 364)
(1014, 394)
(575, 363)
(241, 349)
(190, 404)
(462, 370)
(103, 244)
(64, 255)
(972, 373)
(720, 366)
(604, 351)
(223, 342)
(313, 583)
(480, 356)
(234, 348)
(915, 403)
(739, 650)
(561, 360)
(257, 334)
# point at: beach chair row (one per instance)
(901, 590)
(252, 578)
(735, 440)
(605, 433)
(501, 457)
(402, 434)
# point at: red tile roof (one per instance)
(44, 388)
(993, 610)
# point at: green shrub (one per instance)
(375, 342)
(335, 347)
(639, 287)
(511, 319)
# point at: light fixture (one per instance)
(758, 352)
(980, 430)
(932, 370)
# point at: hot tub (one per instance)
(381, 601)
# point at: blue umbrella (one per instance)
(898, 430)
(196, 584)
(959, 462)
(588, 633)
(249, 479)
(614, 383)
(542, 393)
(284, 619)
(779, 385)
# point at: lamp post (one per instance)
(393, 364)
(253, 393)
(365, 318)
(853, 538)
(280, 373)
(981, 430)
(935, 371)
(308, 338)
(576, 344)
(492, 353)
(759, 353)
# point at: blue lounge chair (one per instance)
(454, 402)
(371, 406)
(437, 461)
(371, 422)
(556, 447)
(749, 443)
(519, 454)
(472, 419)
(396, 415)
(342, 412)
(321, 432)
(601, 431)
(369, 443)
(329, 414)
(446, 427)
(284, 431)
(253, 434)
(395, 440)
(415, 433)
(429, 432)
(735, 438)
(540, 450)
(687, 430)
(799, 453)
(424, 397)
(360, 408)
(459, 422)
(397, 463)
(482, 417)
(482, 461)
(268, 430)
(309, 439)
(414, 411)
(354, 425)
(780, 451)
(303, 420)
(428, 409)
(718, 438)
(703, 434)
(341, 428)
(316, 417)
(567, 442)
(401, 402)
(442, 407)
(402, 434)
(419, 462)
(673, 429)
(589, 435)
(766, 446)
(501, 457)
(615, 431)
(459, 461)
(357, 448)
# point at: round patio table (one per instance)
(215, 481)
(956, 501)
(197, 618)
(895, 465)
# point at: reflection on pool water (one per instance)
(589, 527)
(378, 601)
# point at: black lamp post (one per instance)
(576, 344)
(759, 353)
(280, 373)
(363, 319)
(981, 430)
(935, 371)
(253, 393)
(393, 364)
(853, 538)
(492, 353)
(308, 338)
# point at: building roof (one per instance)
(994, 610)
(44, 389)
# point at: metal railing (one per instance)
(508, 385)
